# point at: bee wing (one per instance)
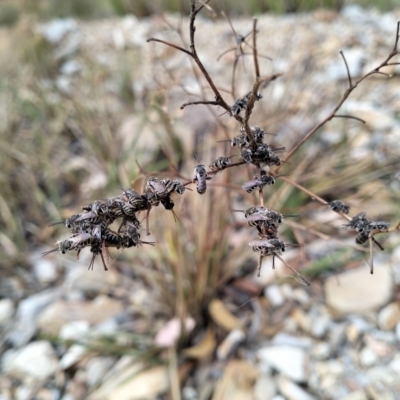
(251, 184)
(261, 243)
(86, 215)
(257, 217)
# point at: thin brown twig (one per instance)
(302, 279)
(322, 235)
(343, 99)
(255, 57)
(349, 117)
(347, 69)
(214, 103)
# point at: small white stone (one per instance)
(6, 310)
(37, 360)
(367, 357)
(291, 391)
(395, 364)
(45, 270)
(357, 290)
(320, 325)
(74, 354)
(74, 330)
(321, 351)
(265, 388)
(229, 343)
(389, 316)
(290, 361)
(283, 338)
(274, 295)
(301, 296)
(357, 395)
(189, 393)
(398, 331)
(55, 30)
(96, 369)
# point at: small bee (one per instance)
(257, 132)
(178, 186)
(241, 103)
(200, 177)
(238, 106)
(75, 242)
(167, 203)
(359, 222)
(362, 237)
(240, 140)
(111, 239)
(272, 159)
(382, 226)
(138, 201)
(247, 155)
(98, 207)
(339, 206)
(220, 163)
(258, 182)
(268, 246)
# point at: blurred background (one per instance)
(88, 107)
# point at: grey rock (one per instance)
(291, 391)
(389, 316)
(55, 30)
(74, 354)
(6, 311)
(36, 360)
(265, 388)
(28, 309)
(290, 361)
(357, 290)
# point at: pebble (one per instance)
(6, 311)
(290, 361)
(92, 281)
(321, 351)
(274, 295)
(74, 354)
(367, 357)
(55, 30)
(230, 343)
(291, 391)
(265, 388)
(74, 330)
(96, 369)
(357, 395)
(320, 325)
(389, 316)
(283, 338)
(44, 270)
(357, 291)
(61, 312)
(36, 360)
(27, 312)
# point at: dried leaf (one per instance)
(223, 317)
(204, 348)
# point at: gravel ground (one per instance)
(337, 339)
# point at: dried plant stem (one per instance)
(302, 280)
(345, 96)
(255, 56)
(323, 235)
